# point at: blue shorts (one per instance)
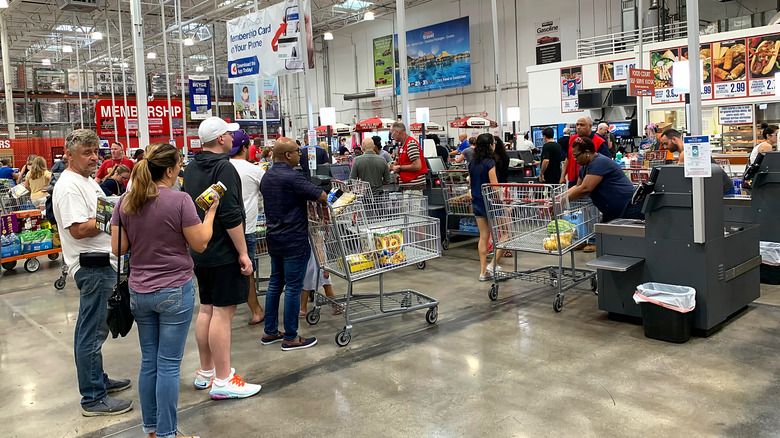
(478, 207)
(251, 244)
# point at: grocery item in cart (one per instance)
(390, 247)
(11, 245)
(34, 241)
(357, 263)
(9, 224)
(342, 201)
(551, 243)
(19, 190)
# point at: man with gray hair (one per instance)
(603, 132)
(410, 165)
(584, 128)
(86, 251)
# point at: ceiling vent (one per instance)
(79, 5)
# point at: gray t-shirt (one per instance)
(468, 153)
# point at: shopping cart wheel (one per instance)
(432, 315)
(59, 284)
(343, 338)
(558, 304)
(445, 244)
(54, 256)
(594, 284)
(313, 317)
(421, 265)
(493, 292)
(32, 265)
(9, 265)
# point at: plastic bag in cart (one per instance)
(678, 298)
(770, 253)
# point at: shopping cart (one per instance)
(11, 200)
(538, 218)
(361, 189)
(368, 238)
(457, 202)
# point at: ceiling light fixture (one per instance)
(369, 16)
(67, 49)
(124, 65)
(3, 4)
(45, 61)
(151, 55)
(328, 36)
(96, 35)
(189, 42)
(199, 69)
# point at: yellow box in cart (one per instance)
(357, 263)
(390, 247)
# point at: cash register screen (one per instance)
(340, 172)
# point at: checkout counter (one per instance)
(762, 206)
(724, 270)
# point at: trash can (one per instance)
(667, 311)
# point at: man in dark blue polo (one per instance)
(285, 195)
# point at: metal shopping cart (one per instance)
(457, 202)
(538, 218)
(361, 189)
(368, 238)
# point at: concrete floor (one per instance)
(507, 368)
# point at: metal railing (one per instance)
(622, 42)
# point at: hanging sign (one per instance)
(268, 95)
(245, 101)
(124, 119)
(641, 82)
(548, 41)
(200, 97)
(571, 83)
(266, 43)
(383, 66)
(763, 64)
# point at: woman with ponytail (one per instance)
(157, 225)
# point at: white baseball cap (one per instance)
(213, 127)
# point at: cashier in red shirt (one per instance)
(410, 164)
(117, 158)
(584, 129)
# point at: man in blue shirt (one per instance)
(604, 181)
(464, 144)
(285, 196)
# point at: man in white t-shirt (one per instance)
(251, 175)
(87, 252)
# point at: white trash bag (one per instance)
(770, 253)
(678, 298)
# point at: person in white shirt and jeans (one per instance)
(86, 251)
(250, 175)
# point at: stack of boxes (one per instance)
(25, 232)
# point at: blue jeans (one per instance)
(287, 272)
(163, 319)
(95, 285)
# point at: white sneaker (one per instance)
(486, 277)
(204, 382)
(235, 388)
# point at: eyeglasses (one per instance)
(230, 133)
(298, 151)
(575, 155)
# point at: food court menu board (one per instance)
(763, 64)
(662, 62)
(736, 68)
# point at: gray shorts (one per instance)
(315, 277)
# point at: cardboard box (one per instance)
(9, 224)
(34, 241)
(105, 209)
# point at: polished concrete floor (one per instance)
(496, 369)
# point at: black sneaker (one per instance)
(107, 406)
(271, 339)
(299, 343)
(117, 385)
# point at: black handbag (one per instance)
(120, 318)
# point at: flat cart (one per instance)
(539, 219)
(457, 201)
(368, 238)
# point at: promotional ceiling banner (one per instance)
(245, 101)
(200, 97)
(270, 99)
(383, 63)
(266, 43)
(438, 56)
(124, 119)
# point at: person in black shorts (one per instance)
(223, 269)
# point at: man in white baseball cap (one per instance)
(223, 269)
(213, 127)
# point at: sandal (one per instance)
(302, 314)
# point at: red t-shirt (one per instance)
(574, 169)
(254, 154)
(108, 164)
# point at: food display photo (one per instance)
(663, 65)
(763, 64)
(728, 61)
